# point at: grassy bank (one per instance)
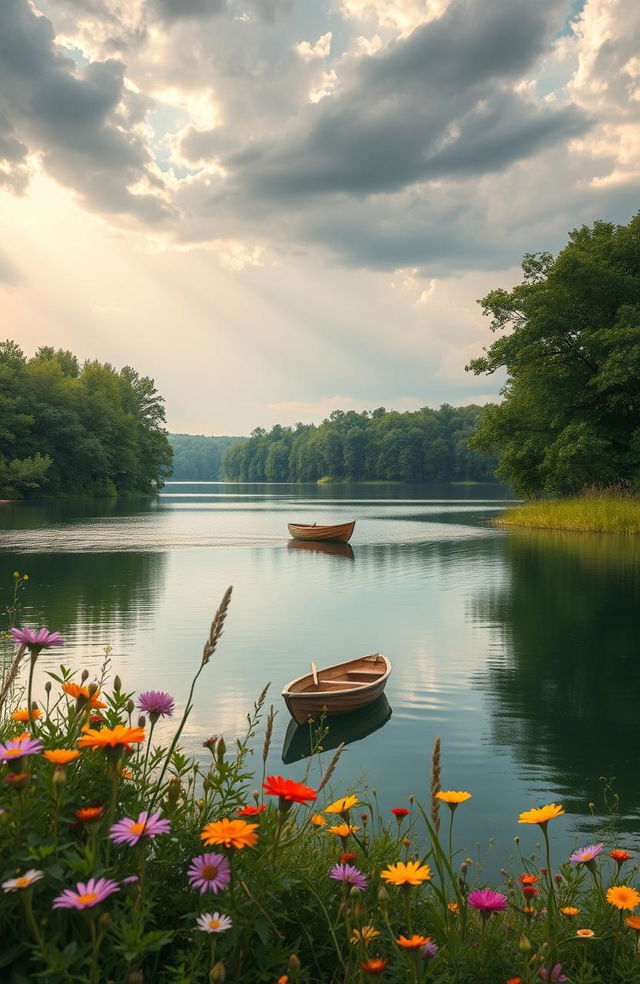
(582, 514)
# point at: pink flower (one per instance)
(87, 895)
(128, 831)
(42, 639)
(586, 854)
(15, 748)
(156, 703)
(349, 874)
(555, 975)
(486, 901)
(209, 873)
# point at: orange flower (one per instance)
(231, 833)
(18, 779)
(633, 922)
(514, 980)
(23, 715)
(283, 979)
(412, 873)
(453, 796)
(542, 815)
(288, 790)
(585, 932)
(453, 907)
(126, 774)
(250, 811)
(619, 855)
(623, 897)
(570, 910)
(111, 737)
(528, 879)
(343, 829)
(90, 814)
(528, 910)
(317, 820)
(76, 691)
(413, 942)
(374, 965)
(61, 756)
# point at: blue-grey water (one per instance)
(519, 650)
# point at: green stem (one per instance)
(551, 898)
(146, 757)
(34, 656)
(93, 972)
(115, 776)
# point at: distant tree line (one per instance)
(68, 428)
(198, 458)
(385, 445)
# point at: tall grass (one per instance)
(595, 511)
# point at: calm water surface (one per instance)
(518, 650)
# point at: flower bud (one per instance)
(524, 943)
(117, 684)
(104, 919)
(411, 798)
(221, 750)
(142, 721)
(358, 907)
(383, 897)
(130, 706)
(294, 963)
(59, 776)
(256, 796)
(218, 973)
(84, 675)
(517, 839)
(47, 686)
(93, 689)
(406, 841)
(174, 790)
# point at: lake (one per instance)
(518, 649)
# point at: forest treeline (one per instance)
(68, 428)
(383, 445)
(198, 458)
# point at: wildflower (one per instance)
(633, 922)
(17, 779)
(156, 703)
(16, 748)
(231, 833)
(585, 932)
(61, 756)
(343, 829)
(342, 805)
(87, 895)
(529, 890)
(250, 811)
(350, 875)
(528, 879)
(347, 858)
(210, 743)
(453, 907)
(82, 694)
(486, 901)
(374, 966)
(411, 873)
(96, 720)
(126, 774)
(24, 714)
(317, 820)
(514, 980)
(288, 791)
(209, 873)
(22, 881)
(413, 942)
(619, 856)
(542, 815)
(452, 797)
(128, 831)
(528, 910)
(570, 910)
(364, 935)
(130, 880)
(429, 950)
(586, 854)
(283, 979)
(213, 922)
(42, 639)
(623, 897)
(116, 737)
(399, 812)
(556, 974)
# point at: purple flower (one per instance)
(42, 639)
(429, 950)
(15, 748)
(349, 874)
(87, 895)
(128, 831)
(586, 854)
(156, 703)
(129, 880)
(486, 901)
(556, 974)
(209, 873)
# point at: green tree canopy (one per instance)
(72, 429)
(571, 410)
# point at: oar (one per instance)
(315, 673)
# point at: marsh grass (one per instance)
(612, 510)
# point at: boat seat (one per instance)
(332, 685)
(365, 675)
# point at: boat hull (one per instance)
(300, 739)
(341, 689)
(340, 533)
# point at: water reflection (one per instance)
(565, 687)
(330, 549)
(301, 739)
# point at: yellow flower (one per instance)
(412, 873)
(585, 932)
(623, 897)
(570, 910)
(364, 935)
(61, 756)
(317, 820)
(343, 829)
(452, 796)
(24, 714)
(542, 815)
(342, 805)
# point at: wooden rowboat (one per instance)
(337, 689)
(311, 531)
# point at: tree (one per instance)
(571, 409)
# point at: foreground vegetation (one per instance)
(379, 445)
(591, 513)
(124, 859)
(77, 429)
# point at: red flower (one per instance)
(529, 890)
(250, 811)
(400, 811)
(347, 858)
(374, 965)
(288, 790)
(619, 855)
(514, 980)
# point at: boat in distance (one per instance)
(340, 533)
(337, 689)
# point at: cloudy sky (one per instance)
(280, 207)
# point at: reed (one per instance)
(593, 513)
(435, 785)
